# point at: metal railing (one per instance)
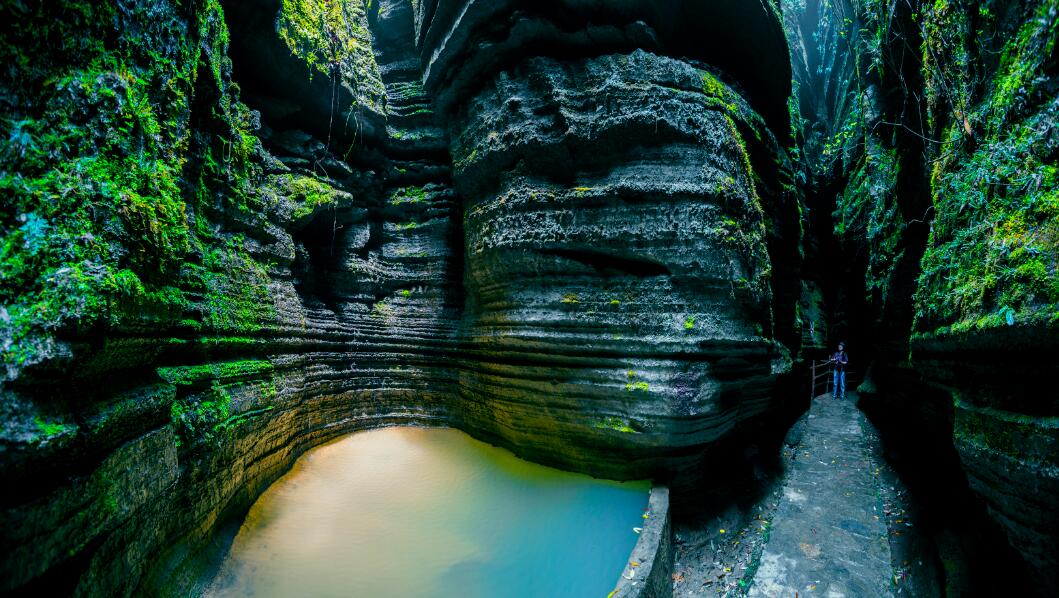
(821, 373)
(822, 376)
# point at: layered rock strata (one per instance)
(601, 294)
(620, 212)
(944, 165)
(331, 310)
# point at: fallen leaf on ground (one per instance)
(811, 550)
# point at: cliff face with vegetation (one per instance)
(603, 234)
(236, 230)
(625, 205)
(933, 122)
(196, 291)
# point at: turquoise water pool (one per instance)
(431, 512)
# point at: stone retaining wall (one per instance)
(648, 574)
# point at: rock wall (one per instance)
(928, 119)
(621, 214)
(313, 294)
(587, 230)
(235, 235)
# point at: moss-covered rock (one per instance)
(116, 209)
(991, 260)
(934, 120)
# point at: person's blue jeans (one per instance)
(840, 384)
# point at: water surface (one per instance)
(414, 512)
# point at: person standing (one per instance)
(840, 359)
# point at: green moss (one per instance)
(204, 413)
(617, 424)
(639, 386)
(308, 194)
(268, 390)
(689, 323)
(234, 421)
(408, 90)
(197, 374)
(219, 342)
(408, 195)
(463, 163)
(570, 298)
(1027, 439)
(48, 430)
(202, 419)
(1022, 61)
(867, 215)
(991, 258)
(381, 309)
(110, 213)
(319, 32)
(95, 225)
(234, 289)
(718, 94)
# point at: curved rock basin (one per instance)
(431, 512)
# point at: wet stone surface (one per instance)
(828, 534)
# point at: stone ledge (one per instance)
(653, 552)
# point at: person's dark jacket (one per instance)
(841, 359)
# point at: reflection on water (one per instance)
(425, 512)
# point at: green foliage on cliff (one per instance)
(986, 79)
(405, 195)
(308, 193)
(197, 420)
(205, 410)
(47, 430)
(743, 229)
(718, 94)
(617, 424)
(867, 214)
(93, 223)
(110, 219)
(332, 38)
(197, 374)
(993, 253)
(318, 32)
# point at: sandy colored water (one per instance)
(414, 512)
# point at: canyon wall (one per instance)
(601, 233)
(196, 292)
(624, 215)
(237, 230)
(933, 123)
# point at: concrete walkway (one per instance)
(828, 536)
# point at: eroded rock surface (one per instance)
(944, 232)
(556, 232)
(616, 266)
(578, 229)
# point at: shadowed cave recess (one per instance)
(608, 235)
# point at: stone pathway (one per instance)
(828, 536)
